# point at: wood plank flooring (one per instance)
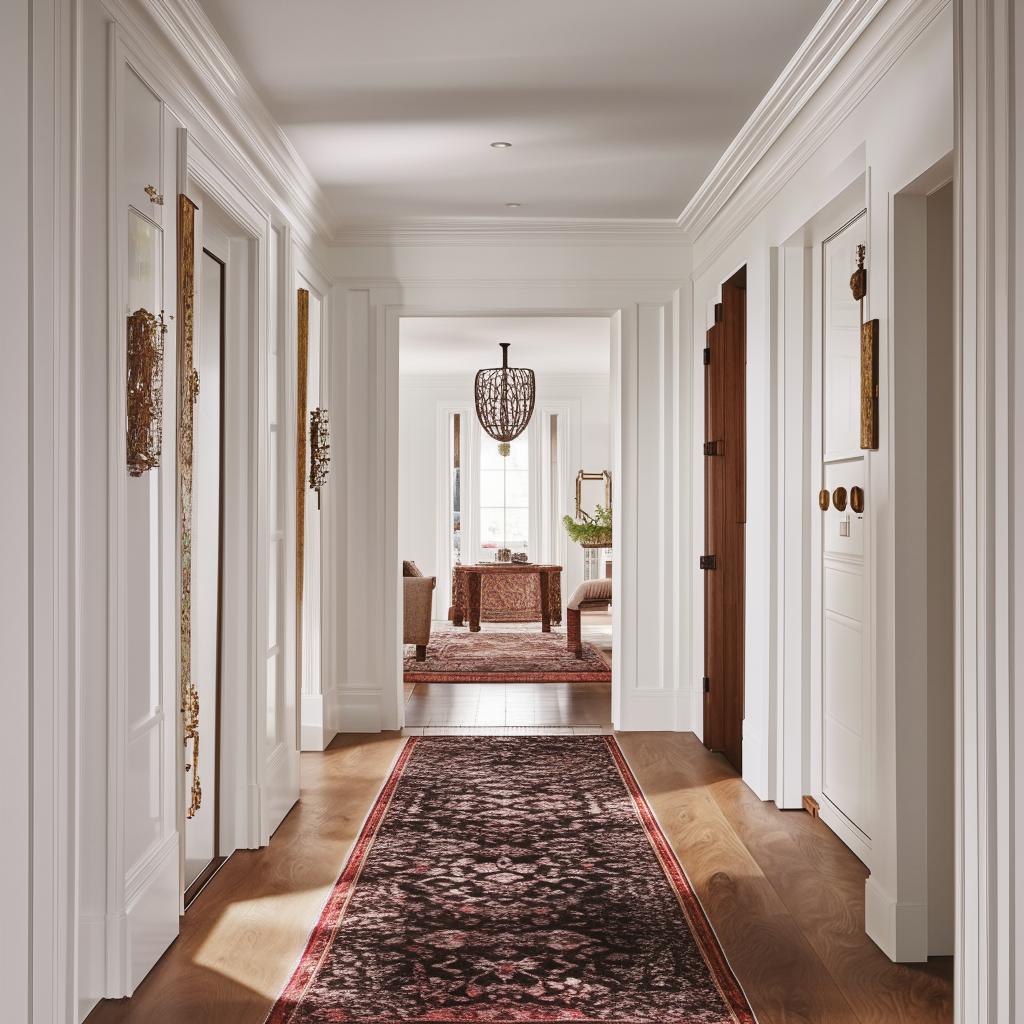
(784, 895)
(562, 705)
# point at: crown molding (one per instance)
(768, 152)
(447, 231)
(835, 32)
(769, 149)
(240, 121)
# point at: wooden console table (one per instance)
(468, 580)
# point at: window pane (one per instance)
(504, 496)
(517, 490)
(491, 488)
(518, 458)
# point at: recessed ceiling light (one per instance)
(513, 206)
(501, 145)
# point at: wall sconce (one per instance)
(319, 450)
(144, 391)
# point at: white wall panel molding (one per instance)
(39, 287)
(514, 231)
(200, 79)
(853, 46)
(989, 952)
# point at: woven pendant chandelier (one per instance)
(504, 400)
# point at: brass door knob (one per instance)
(823, 499)
(857, 499)
(839, 498)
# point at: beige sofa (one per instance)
(417, 601)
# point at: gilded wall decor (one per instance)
(869, 385)
(868, 358)
(319, 450)
(302, 357)
(188, 391)
(144, 391)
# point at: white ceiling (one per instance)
(614, 110)
(459, 346)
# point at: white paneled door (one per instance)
(845, 693)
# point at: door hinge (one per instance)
(707, 356)
(708, 562)
(707, 685)
(711, 448)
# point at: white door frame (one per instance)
(316, 712)
(248, 808)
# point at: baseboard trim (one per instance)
(151, 919)
(900, 930)
(359, 710)
(648, 711)
(316, 729)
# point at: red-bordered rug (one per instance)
(458, 656)
(512, 879)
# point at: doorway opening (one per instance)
(493, 584)
(725, 516)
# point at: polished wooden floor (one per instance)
(784, 895)
(512, 705)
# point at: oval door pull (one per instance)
(154, 196)
(823, 499)
(857, 499)
(839, 498)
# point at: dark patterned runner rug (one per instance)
(519, 879)
(458, 656)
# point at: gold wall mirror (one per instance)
(589, 495)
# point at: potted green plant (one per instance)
(592, 531)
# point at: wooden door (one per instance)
(725, 472)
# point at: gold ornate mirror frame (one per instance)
(582, 475)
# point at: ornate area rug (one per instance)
(458, 656)
(518, 879)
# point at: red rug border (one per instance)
(508, 677)
(333, 912)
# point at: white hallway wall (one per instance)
(497, 272)
(419, 459)
(77, 828)
(900, 68)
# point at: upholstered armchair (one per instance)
(418, 599)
